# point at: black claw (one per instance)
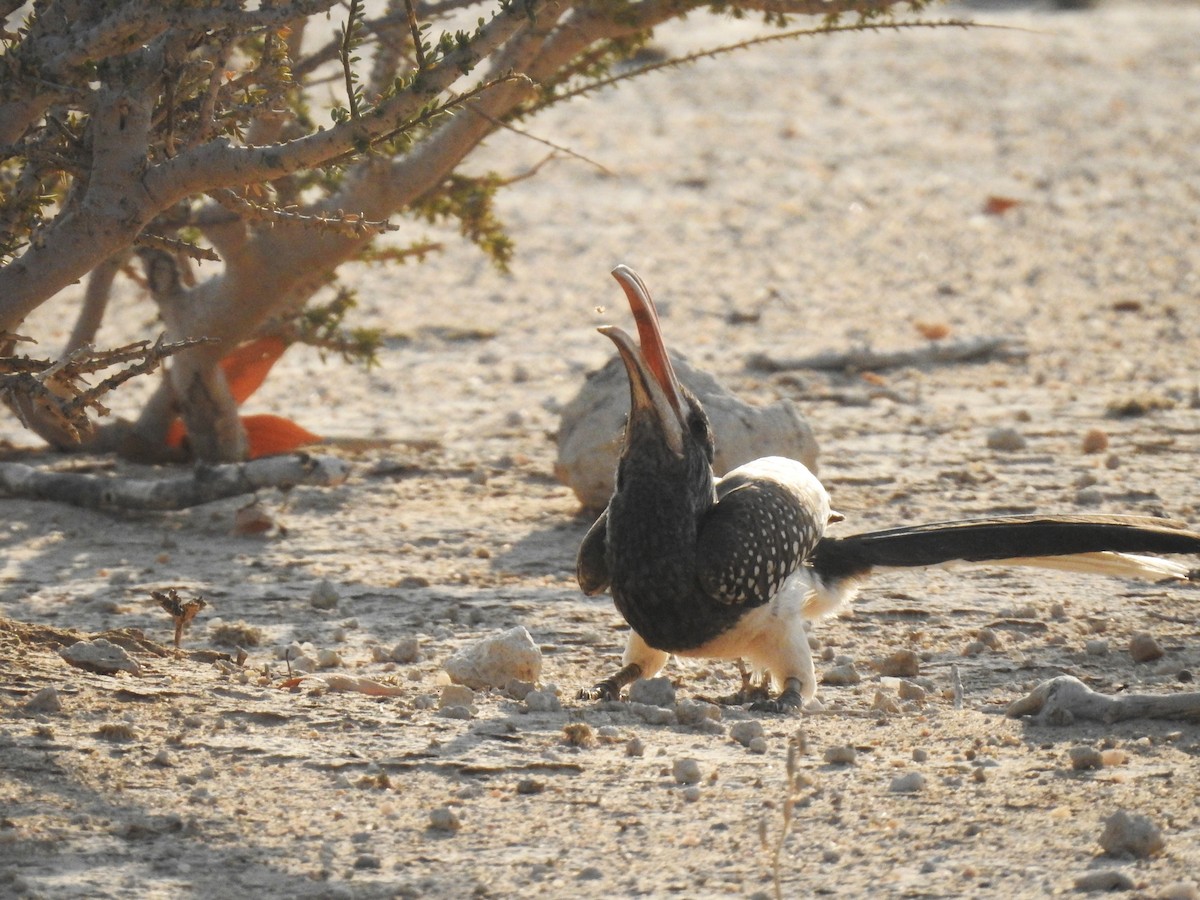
(605, 690)
(788, 701)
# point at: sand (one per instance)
(823, 195)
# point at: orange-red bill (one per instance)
(654, 351)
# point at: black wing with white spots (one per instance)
(759, 533)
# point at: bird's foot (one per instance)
(601, 691)
(789, 700)
(610, 688)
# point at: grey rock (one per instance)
(592, 423)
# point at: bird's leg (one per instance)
(640, 660)
(790, 699)
(610, 687)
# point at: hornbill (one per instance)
(734, 567)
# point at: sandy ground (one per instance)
(820, 195)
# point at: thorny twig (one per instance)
(182, 611)
(59, 386)
(348, 224)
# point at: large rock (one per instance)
(592, 424)
(495, 661)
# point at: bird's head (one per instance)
(667, 428)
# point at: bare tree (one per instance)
(188, 129)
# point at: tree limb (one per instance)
(204, 484)
(1063, 700)
(863, 359)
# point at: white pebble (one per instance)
(542, 701)
(908, 783)
(841, 755)
(1104, 880)
(100, 656)
(653, 692)
(841, 675)
(44, 701)
(328, 659)
(686, 771)
(406, 650)
(745, 731)
(456, 695)
(494, 661)
(1127, 834)
(324, 595)
(1007, 439)
(443, 818)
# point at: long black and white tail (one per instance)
(1101, 545)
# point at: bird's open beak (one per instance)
(653, 388)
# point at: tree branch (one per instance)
(204, 484)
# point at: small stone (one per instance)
(1095, 441)
(100, 656)
(367, 861)
(324, 595)
(908, 783)
(117, 731)
(518, 689)
(901, 664)
(1103, 881)
(405, 650)
(1089, 497)
(443, 818)
(608, 734)
(635, 747)
(882, 703)
(1005, 439)
(1127, 834)
(1145, 648)
(686, 771)
(697, 712)
(653, 715)
(455, 712)
(456, 695)
(328, 659)
(990, 638)
(1113, 757)
(44, 701)
(653, 692)
(494, 661)
(920, 755)
(692, 793)
(530, 786)
(745, 731)
(841, 755)
(911, 692)
(579, 734)
(542, 701)
(758, 745)
(841, 676)
(591, 873)
(1083, 758)
(1180, 890)
(1096, 647)
(164, 758)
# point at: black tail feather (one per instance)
(1000, 538)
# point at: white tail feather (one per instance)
(1118, 565)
